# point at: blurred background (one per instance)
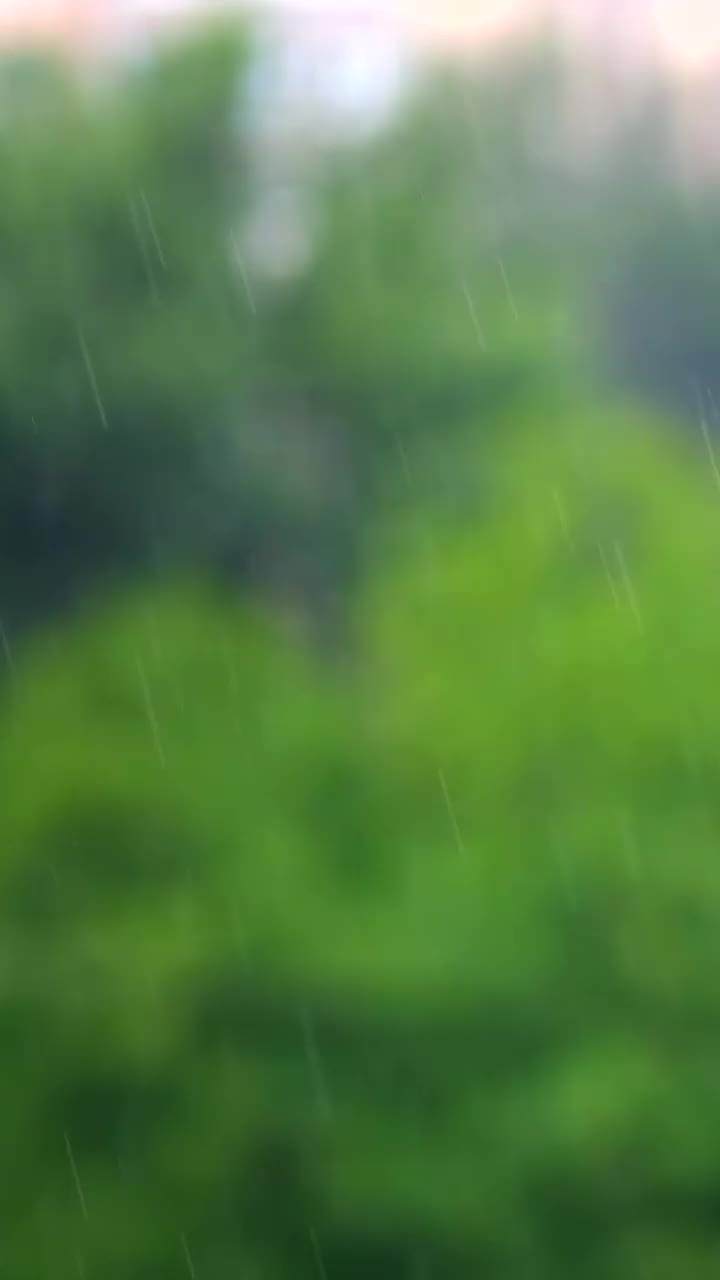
(359, 640)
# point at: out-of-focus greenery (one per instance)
(406, 967)
(164, 404)
(394, 957)
(123, 337)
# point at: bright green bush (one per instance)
(400, 969)
(547, 692)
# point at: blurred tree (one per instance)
(546, 692)
(439, 294)
(190, 819)
(403, 969)
(165, 400)
(123, 332)
(155, 408)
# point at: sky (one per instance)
(686, 32)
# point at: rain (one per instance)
(359, 577)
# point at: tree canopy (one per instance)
(398, 967)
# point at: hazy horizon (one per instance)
(685, 33)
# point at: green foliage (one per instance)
(437, 298)
(163, 406)
(548, 695)
(151, 414)
(122, 332)
(403, 968)
(400, 964)
(162, 854)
